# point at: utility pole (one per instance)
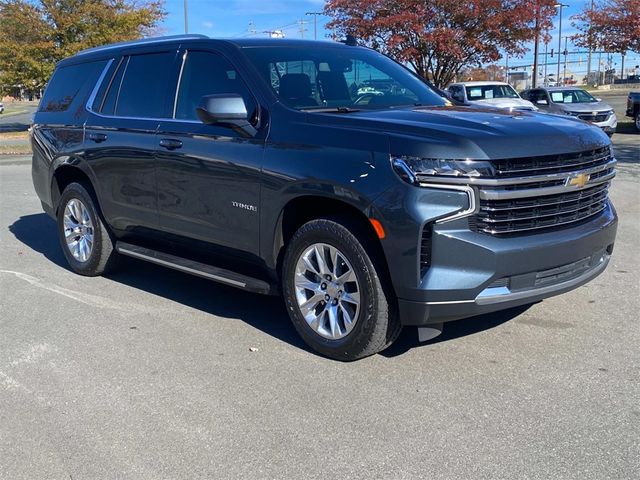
(315, 23)
(186, 18)
(590, 45)
(302, 23)
(561, 5)
(599, 66)
(535, 48)
(566, 54)
(546, 47)
(506, 68)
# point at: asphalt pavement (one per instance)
(153, 374)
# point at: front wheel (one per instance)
(637, 121)
(334, 293)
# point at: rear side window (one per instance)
(144, 85)
(139, 86)
(69, 84)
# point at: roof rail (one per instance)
(142, 41)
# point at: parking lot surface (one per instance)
(152, 374)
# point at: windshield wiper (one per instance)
(331, 110)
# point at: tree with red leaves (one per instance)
(438, 38)
(611, 25)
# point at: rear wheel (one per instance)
(637, 121)
(334, 293)
(83, 235)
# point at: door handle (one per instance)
(97, 137)
(170, 143)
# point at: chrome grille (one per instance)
(600, 117)
(516, 167)
(534, 213)
(536, 194)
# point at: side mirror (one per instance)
(542, 102)
(226, 110)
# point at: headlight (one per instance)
(415, 170)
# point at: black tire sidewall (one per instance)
(355, 341)
(79, 192)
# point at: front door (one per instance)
(208, 176)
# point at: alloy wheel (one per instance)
(327, 291)
(78, 230)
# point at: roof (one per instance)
(558, 89)
(479, 83)
(240, 42)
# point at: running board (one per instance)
(203, 270)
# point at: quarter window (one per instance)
(67, 82)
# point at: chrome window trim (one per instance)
(94, 92)
(175, 96)
(124, 73)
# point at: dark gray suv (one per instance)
(281, 167)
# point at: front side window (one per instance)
(487, 92)
(207, 73)
(331, 77)
(572, 96)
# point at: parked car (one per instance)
(575, 102)
(491, 94)
(633, 108)
(254, 164)
(1, 108)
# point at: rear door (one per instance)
(209, 176)
(120, 136)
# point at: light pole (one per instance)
(546, 47)
(535, 50)
(561, 5)
(564, 72)
(186, 18)
(315, 23)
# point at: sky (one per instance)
(238, 18)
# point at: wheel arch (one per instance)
(305, 208)
(64, 175)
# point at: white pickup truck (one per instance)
(491, 94)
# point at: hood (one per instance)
(589, 107)
(466, 132)
(506, 103)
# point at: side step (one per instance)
(203, 270)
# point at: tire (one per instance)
(375, 323)
(637, 122)
(100, 255)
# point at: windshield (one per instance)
(571, 96)
(335, 77)
(487, 92)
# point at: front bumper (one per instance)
(473, 273)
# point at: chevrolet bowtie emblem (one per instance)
(579, 180)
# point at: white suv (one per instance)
(491, 94)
